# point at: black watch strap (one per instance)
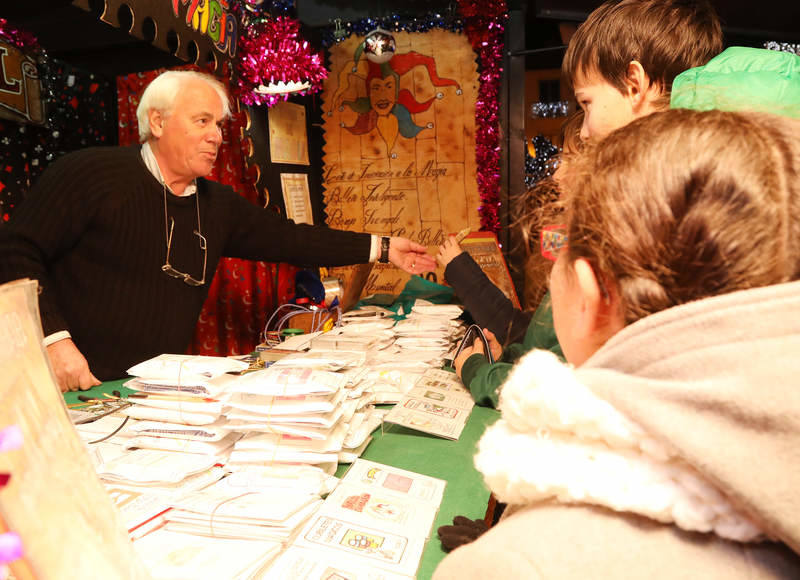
(384, 257)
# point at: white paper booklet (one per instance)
(292, 405)
(148, 466)
(211, 432)
(170, 415)
(186, 368)
(175, 556)
(285, 382)
(436, 406)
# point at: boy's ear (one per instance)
(641, 91)
(599, 307)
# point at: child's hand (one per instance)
(447, 251)
(494, 345)
(466, 352)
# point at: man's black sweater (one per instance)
(92, 231)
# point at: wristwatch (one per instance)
(384, 257)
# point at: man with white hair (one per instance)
(124, 241)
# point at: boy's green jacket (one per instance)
(742, 79)
(483, 378)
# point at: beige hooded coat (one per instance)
(674, 452)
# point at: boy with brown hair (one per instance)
(621, 64)
(622, 60)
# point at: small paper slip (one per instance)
(322, 360)
(306, 564)
(435, 407)
(308, 479)
(449, 311)
(324, 420)
(244, 506)
(211, 432)
(286, 382)
(147, 466)
(217, 449)
(268, 405)
(200, 388)
(270, 441)
(174, 416)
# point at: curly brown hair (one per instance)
(710, 205)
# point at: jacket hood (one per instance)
(689, 416)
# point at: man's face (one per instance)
(605, 107)
(383, 94)
(191, 134)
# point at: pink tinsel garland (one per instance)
(484, 24)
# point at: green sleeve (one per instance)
(482, 379)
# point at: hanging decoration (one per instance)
(273, 59)
(783, 47)
(484, 25)
(379, 46)
(543, 164)
(22, 39)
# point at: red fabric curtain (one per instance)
(243, 293)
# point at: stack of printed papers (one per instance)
(179, 401)
(175, 556)
(227, 510)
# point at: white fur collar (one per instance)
(557, 440)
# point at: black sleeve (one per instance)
(487, 304)
(260, 234)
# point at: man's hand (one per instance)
(448, 250)
(70, 366)
(410, 256)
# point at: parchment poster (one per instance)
(399, 153)
(288, 142)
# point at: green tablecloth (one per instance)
(465, 493)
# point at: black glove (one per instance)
(463, 531)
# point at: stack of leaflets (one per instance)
(438, 404)
(175, 556)
(288, 415)
(144, 482)
(374, 525)
(179, 399)
(230, 510)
